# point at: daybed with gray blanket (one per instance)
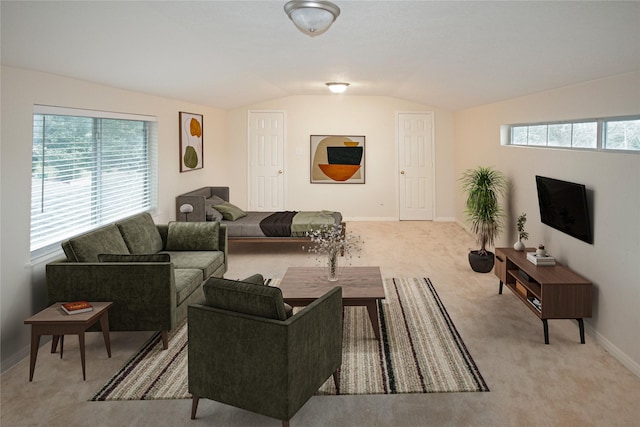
(150, 272)
(212, 204)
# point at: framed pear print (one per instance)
(191, 141)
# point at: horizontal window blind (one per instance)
(88, 171)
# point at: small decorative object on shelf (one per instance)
(541, 251)
(76, 307)
(522, 235)
(541, 260)
(330, 241)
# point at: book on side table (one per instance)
(76, 307)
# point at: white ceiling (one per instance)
(226, 54)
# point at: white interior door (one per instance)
(266, 160)
(415, 165)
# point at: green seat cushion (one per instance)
(244, 297)
(206, 261)
(87, 247)
(229, 211)
(187, 281)
(140, 234)
(192, 236)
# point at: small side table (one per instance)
(54, 321)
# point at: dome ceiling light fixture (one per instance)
(337, 87)
(312, 17)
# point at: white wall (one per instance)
(611, 263)
(371, 116)
(22, 288)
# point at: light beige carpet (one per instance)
(421, 352)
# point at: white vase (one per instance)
(518, 246)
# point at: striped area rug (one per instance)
(421, 352)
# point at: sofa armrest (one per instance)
(223, 244)
(144, 294)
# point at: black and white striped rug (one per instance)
(421, 352)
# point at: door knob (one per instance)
(401, 172)
(280, 171)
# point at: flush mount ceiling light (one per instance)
(312, 17)
(337, 87)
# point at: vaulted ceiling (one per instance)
(447, 54)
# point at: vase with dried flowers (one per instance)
(331, 241)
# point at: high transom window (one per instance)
(621, 134)
(89, 168)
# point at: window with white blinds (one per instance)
(89, 168)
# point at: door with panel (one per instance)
(266, 160)
(415, 165)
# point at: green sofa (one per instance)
(150, 272)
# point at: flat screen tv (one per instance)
(563, 206)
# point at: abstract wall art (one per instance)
(337, 159)
(191, 141)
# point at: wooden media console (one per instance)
(550, 292)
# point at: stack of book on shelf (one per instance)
(546, 260)
(535, 302)
(76, 307)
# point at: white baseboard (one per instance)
(13, 360)
(445, 219)
(618, 354)
(362, 218)
(386, 218)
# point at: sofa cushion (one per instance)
(230, 212)
(140, 234)
(207, 262)
(187, 281)
(258, 279)
(213, 200)
(193, 236)
(87, 247)
(134, 258)
(244, 297)
(212, 214)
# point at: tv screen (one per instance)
(563, 206)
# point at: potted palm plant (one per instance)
(483, 186)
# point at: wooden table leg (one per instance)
(54, 343)
(61, 345)
(35, 343)
(372, 309)
(81, 341)
(104, 325)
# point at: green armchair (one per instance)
(245, 351)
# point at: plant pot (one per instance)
(481, 263)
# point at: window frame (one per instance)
(506, 134)
(150, 171)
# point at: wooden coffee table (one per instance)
(361, 286)
(54, 321)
